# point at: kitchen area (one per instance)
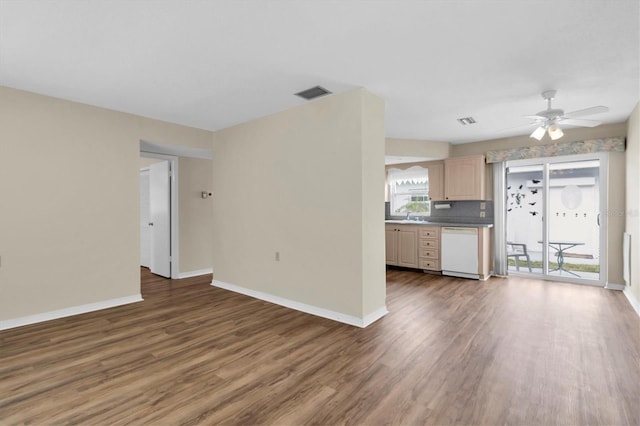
(438, 218)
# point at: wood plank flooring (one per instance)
(451, 351)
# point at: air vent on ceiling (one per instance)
(466, 120)
(314, 92)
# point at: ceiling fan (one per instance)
(548, 121)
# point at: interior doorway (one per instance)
(195, 224)
(158, 214)
(554, 223)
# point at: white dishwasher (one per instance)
(459, 252)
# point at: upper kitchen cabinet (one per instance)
(464, 178)
(435, 177)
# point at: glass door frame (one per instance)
(603, 225)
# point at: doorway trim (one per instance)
(145, 171)
(175, 238)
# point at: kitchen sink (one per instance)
(405, 221)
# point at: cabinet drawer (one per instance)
(430, 264)
(431, 244)
(429, 253)
(428, 232)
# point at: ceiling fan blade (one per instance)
(579, 122)
(535, 117)
(587, 111)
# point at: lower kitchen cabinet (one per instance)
(420, 247)
(429, 248)
(390, 245)
(401, 245)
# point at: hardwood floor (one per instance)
(451, 351)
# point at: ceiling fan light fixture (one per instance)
(555, 132)
(548, 121)
(538, 133)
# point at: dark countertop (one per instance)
(434, 223)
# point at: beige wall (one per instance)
(632, 218)
(432, 150)
(373, 178)
(69, 216)
(195, 214)
(312, 181)
(616, 202)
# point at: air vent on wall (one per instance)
(466, 120)
(314, 92)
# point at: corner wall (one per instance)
(195, 215)
(69, 216)
(632, 217)
(311, 181)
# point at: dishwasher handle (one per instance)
(459, 230)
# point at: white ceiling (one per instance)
(212, 64)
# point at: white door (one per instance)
(160, 215)
(145, 231)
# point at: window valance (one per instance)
(414, 175)
(553, 150)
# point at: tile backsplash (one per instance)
(462, 211)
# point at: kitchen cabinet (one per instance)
(464, 178)
(429, 248)
(391, 245)
(401, 245)
(484, 253)
(421, 247)
(435, 176)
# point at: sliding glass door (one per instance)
(554, 223)
(525, 207)
(574, 223)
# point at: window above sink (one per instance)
(409, 191)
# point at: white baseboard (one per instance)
(67, 312)
(461, 275)
(635, 303)
(374, 316)
(190, 274)
(613, 286)
(303, 307)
